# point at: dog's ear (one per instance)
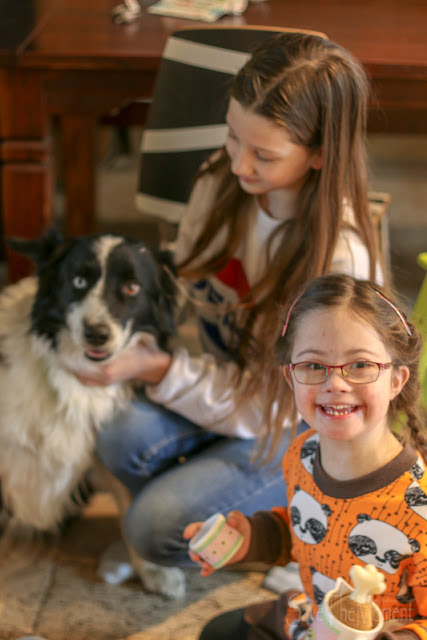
(168, 272)
(166, 303)
(40, 249)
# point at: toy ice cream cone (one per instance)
(356, 609)
(356, 615)
(350, 614)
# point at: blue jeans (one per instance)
(180, 473)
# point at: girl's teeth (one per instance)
(338, 410)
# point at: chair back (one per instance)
(186, 120)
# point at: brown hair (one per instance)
(318, 92)
(380, 311)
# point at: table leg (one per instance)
(25, 162)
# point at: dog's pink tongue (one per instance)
(97, 354)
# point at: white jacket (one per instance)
(200, 387)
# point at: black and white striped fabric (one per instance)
(186, 121)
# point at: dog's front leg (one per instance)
(120, 562)
(168, 581)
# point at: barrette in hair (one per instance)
(285, 326)
(405, 324)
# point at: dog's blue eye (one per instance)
(131, 289)
(79, 282)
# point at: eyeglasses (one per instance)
(360, 372)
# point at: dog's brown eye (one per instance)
(132, 289)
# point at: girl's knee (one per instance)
(125, 444)
(115, 450)
(154, 527)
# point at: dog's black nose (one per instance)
(96, 334)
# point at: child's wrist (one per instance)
(158, 370)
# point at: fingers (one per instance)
(205, 568)
(237, 520)
(234, 518)
(191, 529)
(99, 379)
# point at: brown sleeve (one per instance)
(270, 539)
(399, 634)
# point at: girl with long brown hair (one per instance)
(284, 201)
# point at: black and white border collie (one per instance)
(92, 297)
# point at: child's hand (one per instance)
(144, 362)
(190, 531)
(235, 519)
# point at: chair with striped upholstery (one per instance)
(186, 121)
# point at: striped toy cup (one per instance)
(216, 542)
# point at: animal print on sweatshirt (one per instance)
(378, 519)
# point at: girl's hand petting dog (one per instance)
(144, 362)
(235, 519)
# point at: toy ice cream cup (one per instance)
(216, 542)
(345, 614)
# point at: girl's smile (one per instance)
(338, 410)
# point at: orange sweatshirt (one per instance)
(378, 519)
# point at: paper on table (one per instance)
(205, 10)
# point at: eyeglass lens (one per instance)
(315, 373)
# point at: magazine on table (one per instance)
(205, 10)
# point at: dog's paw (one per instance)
(119, 563)
(167, 581)
(115, 566)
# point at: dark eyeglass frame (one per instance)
(381, 366)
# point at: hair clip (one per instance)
(405, 324)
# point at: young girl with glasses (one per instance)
(284, 201)
(357, 480)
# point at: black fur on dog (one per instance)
(136, 287)
(91, 298)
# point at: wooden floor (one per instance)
(59, 596)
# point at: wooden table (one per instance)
(67, 59)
